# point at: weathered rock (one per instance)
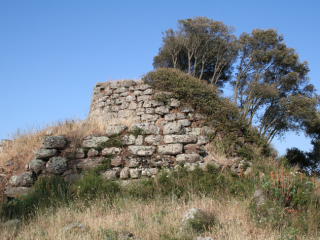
(135, 173)
(131, 161)
(16, 191)
(45, 153)
(57, 165)
(142, 150)
(193, 131)
(173, 128)
(143, 87)
(174, 102)
(93, 153)
(188, 158)
(115, 129)
(128, 139)
(148, 172)
(181, 116)
(139, 140)
(180, 139)
(204, 238)
(161, 161)
(11, 223)
(85, 164)
(148, 91)
(170, 117)
(146, 127)
(125, 173)
(112, 173)
(37, 165)
(193, 213)
(186, 109)
(185, 122)
(202, 140)
(259, 197)
(93, 141)
(111, 150)
(126, 113)
(153, 139)
(149, 117)
(128, 83)
(170, 149)
(208, 130)
(162, 110)
(72, 153)
(23, 180)
(74, 227)
(194, 148)
(55, 142)
(116, 161)
(144, 98)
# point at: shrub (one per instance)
(199, 94)
(113, 141)
(137, 131)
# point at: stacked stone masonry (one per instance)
(171, 134)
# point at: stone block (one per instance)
(55, 142)
(144, 98)
(57, 165)
(184, 122)
(173, 128)
(180, 139)
(111, 150)
(143, 87)
(93, 141)
(162, 110)
(45, 153)
(128, 139)
(170, 149)
(202, 140)
(131, 98)
(135, 173)
(146, 127)
(115, 129)
(125, 173)
(93, 153)
(116, 161)
(170, 117)
(37, 165)
(153, 139)
(126, 113)
(161, 161)
(85, 164)
(25, 179)
(149, 117)
(139, 140)
(188, 158)
(17, 191)
(142, 150)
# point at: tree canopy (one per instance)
(201, 47)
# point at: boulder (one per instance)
(188, 158)
(57, 165)
(93, 153)
(93, 141)
(128, 139)
(259, 197)
(74, 227)
(146, 127)
(142, 150)
(37, 165)
(16, 191)
(173, 128)
(153, 139)
(180, 139)
(11, 223)
(193, 213)
(115, 129)
(45, 153)
(85, 164)
(23, 180)
(55, 142)
(170, 149)
(125, 173)
(116, 161)
(111, 150)
(162, 110)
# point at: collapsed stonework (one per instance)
(163, 136)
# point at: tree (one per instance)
(271, 84)
(201, 47)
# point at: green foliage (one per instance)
(105, 164)
(92, 185)
(246, 152)
(137, 131)
(199, 94)
(203, 222)
(48, 191)
(163, 97)
(113, 141)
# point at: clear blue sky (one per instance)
(53, 52)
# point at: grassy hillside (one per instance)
(153, 208)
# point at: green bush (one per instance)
(199, 94)
(92, 185)
(48, 191)
(136, 131)
(113, 141)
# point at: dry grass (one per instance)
(23, 144)
(147, 220)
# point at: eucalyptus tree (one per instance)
(271, 84)
(201, 47)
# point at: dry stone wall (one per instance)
(163, 135)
